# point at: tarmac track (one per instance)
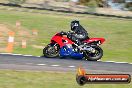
(19, 62)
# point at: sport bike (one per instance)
(61, 46)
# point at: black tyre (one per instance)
(94, 56)
(51, 50)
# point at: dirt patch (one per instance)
(20, 34)
(4, 29)
(113, 12)
(3, 37)
(21, 31)
(2, 49)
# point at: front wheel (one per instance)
(94, 56)
(51, 50)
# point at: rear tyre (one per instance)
(51, 51)
(94, 56)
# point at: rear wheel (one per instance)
(94, 56)
(51, 50)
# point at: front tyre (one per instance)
(94, 56)
(51, 50)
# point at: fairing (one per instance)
(59, 39)
(94, 39)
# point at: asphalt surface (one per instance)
(18, 62)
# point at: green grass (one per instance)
(24, 79)
(117, 32)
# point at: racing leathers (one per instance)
(79, 33)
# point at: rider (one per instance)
(79, 33)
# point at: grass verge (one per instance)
(29, 79)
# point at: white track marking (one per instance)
(10, 54)
(110, 61)
(55, 65)
(99, 60)
(41, 64)
(121, 62)
(16, 54)
(6, 53)
(37, 56)
(71, 66)
(27, 55)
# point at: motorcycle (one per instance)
(61, 46)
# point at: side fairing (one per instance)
(59, 40)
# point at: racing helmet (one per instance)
(74, 24)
